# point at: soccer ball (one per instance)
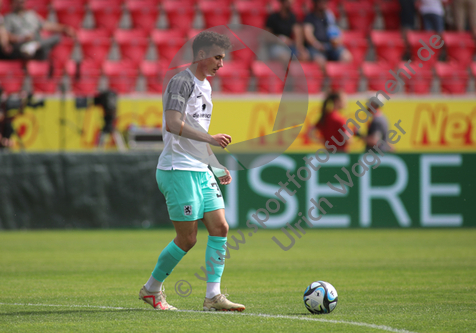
(320, 297)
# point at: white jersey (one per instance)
(193, 98)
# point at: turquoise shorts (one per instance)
(189, 194)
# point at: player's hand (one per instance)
(225, 180)
(222, 140)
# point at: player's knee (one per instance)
(223, 229)
(191, 241)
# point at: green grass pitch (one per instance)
(387, 280)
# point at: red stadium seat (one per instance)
(267, 80)
(5, 8)
(343, 76)
(11, 76)
(460, 47)
(313, 77)
(153, 71)
(215, 13)
(70, 12)
(357, 45)
(95, 44)
(360, 15)
(390, 10)
(251, 14)
(179, 14)
(453, 79)
(61, 53)
(84, 77)
(122, 76)
(234, 78)
(389, 46)
(144, 13)
(107, 14)
(473, 69)
(168, 43)
(413, 38)
(44, 79)
(377, 74)
(420, 81)
(133, 44)
(39, 6)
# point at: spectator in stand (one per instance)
(407, 15)
(433, 15)
(284, 24)
(5, 46)
(378, 127)
(323, 36)
(464, 12)
(331, 121)
(24, 27)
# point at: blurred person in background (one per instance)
(24, 28)
(284, 24)
(407, 16)
(464, 13)
(323, 37)
(5, 46)
(378, 127)
(330, 123)
(433, 14)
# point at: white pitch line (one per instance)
(379, 327)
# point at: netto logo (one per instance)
(201, 115)
(290, 79)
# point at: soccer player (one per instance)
(189, 187)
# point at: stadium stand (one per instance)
(107, 14)
(153, 72)
(69, 12)
(460, 47)
(215, 13)
(389, 46)
(39, 6)
(180, 14)
(168, 42)
(343, 76)
(420, 82)
(133, 44)
(413, 38)
(267, 80)
(311, 82)
(84, 77)
(44, 77)
(377, 73)
(250, 14)
(234, 78)
(122, 75)
(143, 13)
(453, 79)
(389, 10)
(11, 76)
(95, 44)
(360, 15)
(357, 44)
(61, 53)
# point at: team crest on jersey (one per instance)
(187, 210)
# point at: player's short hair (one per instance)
(206, 39)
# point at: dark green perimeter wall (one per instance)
(119, 190)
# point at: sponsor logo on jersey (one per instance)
(201, 115)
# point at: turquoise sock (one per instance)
(214, 245)
(168, 259)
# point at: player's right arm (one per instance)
(176, 125)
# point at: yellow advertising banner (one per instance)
(431, 125)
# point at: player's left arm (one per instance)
(218, 170)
